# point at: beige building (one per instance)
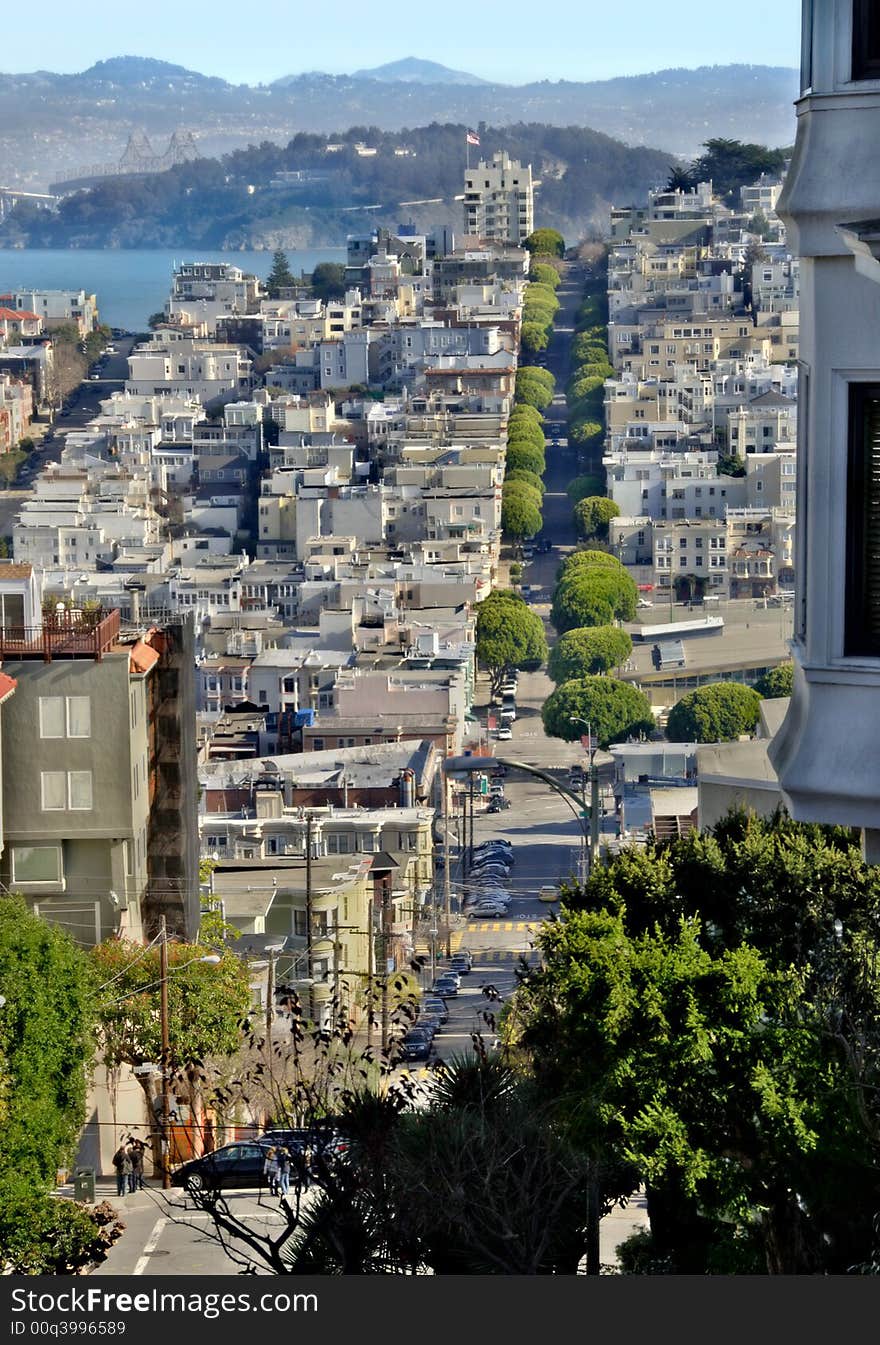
(499, 199)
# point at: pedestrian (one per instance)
(136, 1180)
(270, 1170)
(307, 1165)
(283, 1157)
(122, 1163)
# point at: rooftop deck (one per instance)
(73, 634)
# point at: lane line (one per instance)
(150, 1246)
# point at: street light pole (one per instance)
(446, 883)
(270, 1023)
(594, 792)
(309, 918)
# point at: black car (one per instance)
(498, 805)
(435, 1005)
(320, 1140)
(233, 1165)
(444, 986)
(462, 965)
(417, 1046)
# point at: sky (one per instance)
(500, 40)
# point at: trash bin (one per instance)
(84, 1185)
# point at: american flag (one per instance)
(472, 138)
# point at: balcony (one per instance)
(67, 634)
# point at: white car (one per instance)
(504, 733)
(644, 602)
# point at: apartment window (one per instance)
(79, 790)
(866, 40)
(129, 859)
(36, 864)
(317, 744)
(51, 716)
(862, 598)
(11, 610)
(53, 791)
(79, 717)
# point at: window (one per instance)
(52, 791)
(36, 864)
(79, 790)
(866, 40)
(11, 610)
(79, 717)
(862, 600)
(51, 716)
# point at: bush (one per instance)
(719, 712)
(43, 1235)
(588, 650)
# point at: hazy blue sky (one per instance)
(498, 39)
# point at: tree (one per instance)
(777, 682)
(747, 1105)
(584, 431)
(548, 241)
(532, 393)
(47, 1027)
(679, 179)
(583, 560)
(544, 274)
(584, 347)
(530, 414)
(715, 713)
(534, 337)
(581, 486)
(206, 1006)
(533, 373)
(519, 431)
(593, 598)
(328, 281)
(586, 385)
(280, 277)
(731, 164)
(524, 457)
(509, 635)
(615, 710)
(520, 511)
(588, 650)
(731, 464)
(527, 478)
(593, 515)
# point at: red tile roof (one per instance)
(7, 686)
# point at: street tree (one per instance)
(534, 336)
(207, 1004)
(520, 510)
(593, 515)
(595, 596)
(542, 273)
(718, 712)
(509, 635)
(615, 710)
(548, 241)
(525, 457)
(776, 682)
(584, 431)
(527, 478)
(588, 650)
(581, 486)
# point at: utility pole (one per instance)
(309, 963)
(386, 936)
(594, 813)
(165, 1149)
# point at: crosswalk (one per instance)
(423, 949)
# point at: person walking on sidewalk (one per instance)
(122, 1164)
(136, 1154)
(270, 1170)
(283, 1157)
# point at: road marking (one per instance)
(151, 1245)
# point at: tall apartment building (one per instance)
(499, 199)
(99, 777)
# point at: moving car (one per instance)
(508, 714)
(497, 805)
(548, 893)
(486, 912)
(461, 962)
(446, 985)
(503, 734)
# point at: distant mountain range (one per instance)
(52, 125)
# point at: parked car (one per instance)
(233, 1165)
(431, 1021)
(462, 963)
(497, 805)
(447, 974)
(487, 912)
(548, 893)
(417, 1046)
(496, 788)
(433, 1004)
(508, 714)
(322, 1140)
(504, 734)
(498, 849)
(445, 985)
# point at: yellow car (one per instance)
(548, 893)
